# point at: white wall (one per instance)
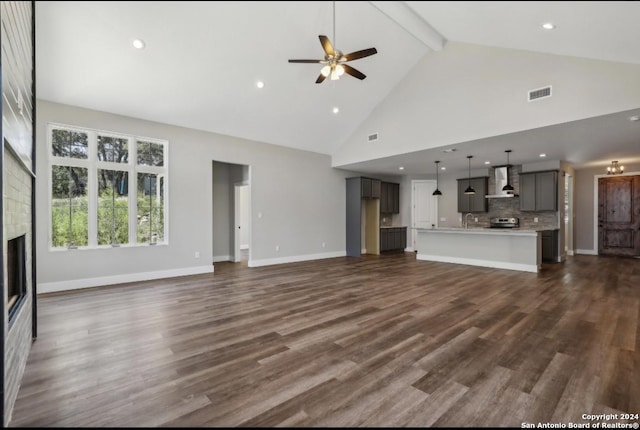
(467, 92)
(300, 196)
(244, 216)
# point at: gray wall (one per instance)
(584, 198)
(300, 196)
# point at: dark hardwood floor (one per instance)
(372, 341)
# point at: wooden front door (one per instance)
(619, 215)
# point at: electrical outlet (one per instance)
(259, 214)
(324, 244)
(197, 254)
(442, 218)
(535, 219)
(277, 248)
(476, 219)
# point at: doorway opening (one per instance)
(424, 207)
(241, 222)
(568, 214)
(231, 223)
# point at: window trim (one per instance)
(92, 164)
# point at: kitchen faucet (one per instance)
(466, 220)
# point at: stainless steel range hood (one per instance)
(501, 179)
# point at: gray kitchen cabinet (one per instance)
(393, 238)
(550, 246)
(354, 218)
(539, 191)
(384, 239)
(473, 202)
(390, 197)
(370, 188)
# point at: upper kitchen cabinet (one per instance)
(539, 191)
(473, 202)
(389, 197)
(370, 188)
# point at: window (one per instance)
(93, 202)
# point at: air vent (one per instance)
(540, 93)
(372, 137)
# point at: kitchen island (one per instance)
(513, 249)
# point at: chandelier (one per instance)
(615, 168)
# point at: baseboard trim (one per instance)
(586, 251)
(408, 249)
(483, 263)
(244, 246)
(295, 259)
(570, 252)
(76, 284)
(219, 258)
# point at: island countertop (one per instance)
(481, 230)
(503, 248)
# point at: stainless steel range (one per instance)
(504, 223)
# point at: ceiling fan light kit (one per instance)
(334, 60)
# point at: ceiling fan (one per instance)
(334, 60)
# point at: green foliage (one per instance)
(113, 218)
(66, 218)
(150, 220)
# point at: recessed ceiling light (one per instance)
(443, 168)
(401, 168)
(634, 118)
(138, 44)
(487, 162)
(543, 155)
(548, 26)
(336, 110)
(260, 84)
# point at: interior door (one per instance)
(619, 215)
(424, 206)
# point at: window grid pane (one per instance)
(150, 153)
(113, 149)
(113, 207)
(70, 144)
(69, 207)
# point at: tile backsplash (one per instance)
(510, 207)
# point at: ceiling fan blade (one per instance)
(321, 78)
(305, 61)
(353, 72)
(360, 54)
(326, 45)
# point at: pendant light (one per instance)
(437, 191)
(508, 187)
(469, 189)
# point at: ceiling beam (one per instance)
(413, 23)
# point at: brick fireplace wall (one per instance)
(17, 70)
(17, 182)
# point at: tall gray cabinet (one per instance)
(354, 232)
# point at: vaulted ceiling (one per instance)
(202, 61)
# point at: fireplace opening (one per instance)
(16, 274)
